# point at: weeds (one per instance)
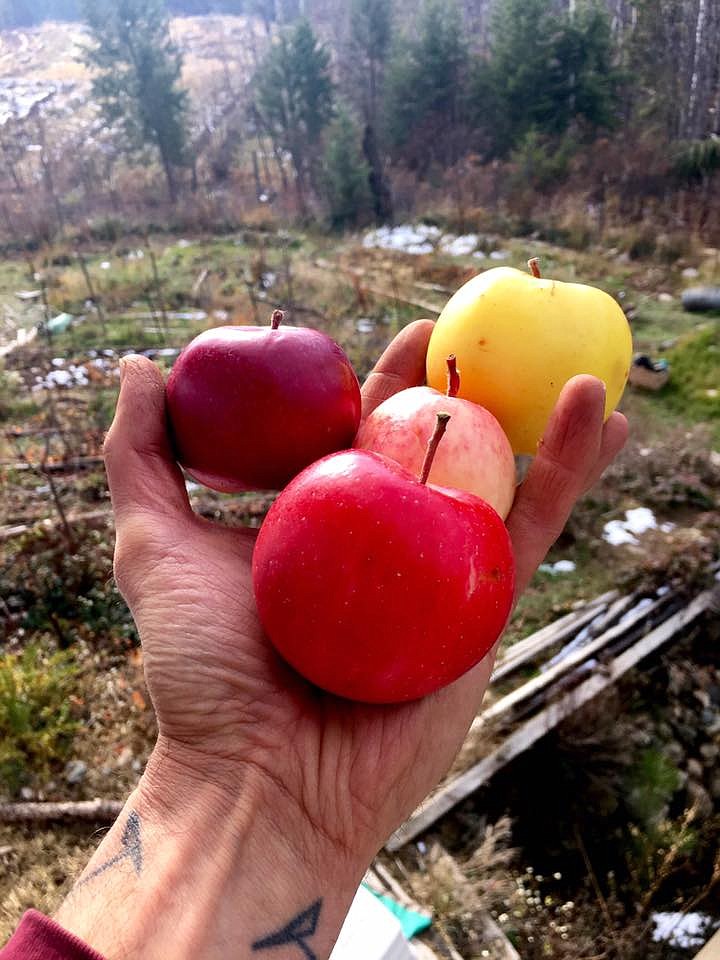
(36, 714)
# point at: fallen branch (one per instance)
(72, 465)
(9, 533)
(98, 809)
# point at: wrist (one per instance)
(208, 855)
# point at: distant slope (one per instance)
(25, 13)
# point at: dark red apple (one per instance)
(377, 587)
(250, 407)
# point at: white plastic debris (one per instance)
(682, 930)
(370, 932)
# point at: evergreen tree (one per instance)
(368, 51)
(345, 172)
(294, 101)
(548, 69)
(426, 88)
(370, 39)
(137, 72)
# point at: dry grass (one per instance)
(38, 866)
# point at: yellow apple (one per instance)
(519, 338)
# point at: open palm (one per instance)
(225, 701)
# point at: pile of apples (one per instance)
(384, 571)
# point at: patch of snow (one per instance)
(560, 566)
(499, 254)
(459, 246)
(615, 533)
(73, 376)
(407, 238)
(183, 244)
(638, 608)
(682, 930)
(636, 522)
(690, 273)
(365, 325)
(583, 638)
(480, 255)
(105, 265)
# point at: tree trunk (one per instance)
(169, 175)
(382, 200)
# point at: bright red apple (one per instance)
(250, 407)
(475, 454)
(377, 587)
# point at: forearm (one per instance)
(188, 870)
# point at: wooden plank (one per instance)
(561, 629)
(550, 717)
(508, 703)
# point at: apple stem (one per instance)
(440, 428)
(534, 264)
(453, 379)
(277, 318)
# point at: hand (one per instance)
(219, 689)
(334, 778)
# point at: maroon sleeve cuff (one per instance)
(40, 938)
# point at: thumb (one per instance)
(142, 474)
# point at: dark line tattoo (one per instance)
(131, 849)
(297, 931)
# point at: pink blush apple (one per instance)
(475, 454)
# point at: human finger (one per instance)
(401, 365)
(566, 458)
(142, 473)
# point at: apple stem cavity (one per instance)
(534, 265)
(440, 428)
(453, 380)
(277, 318)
